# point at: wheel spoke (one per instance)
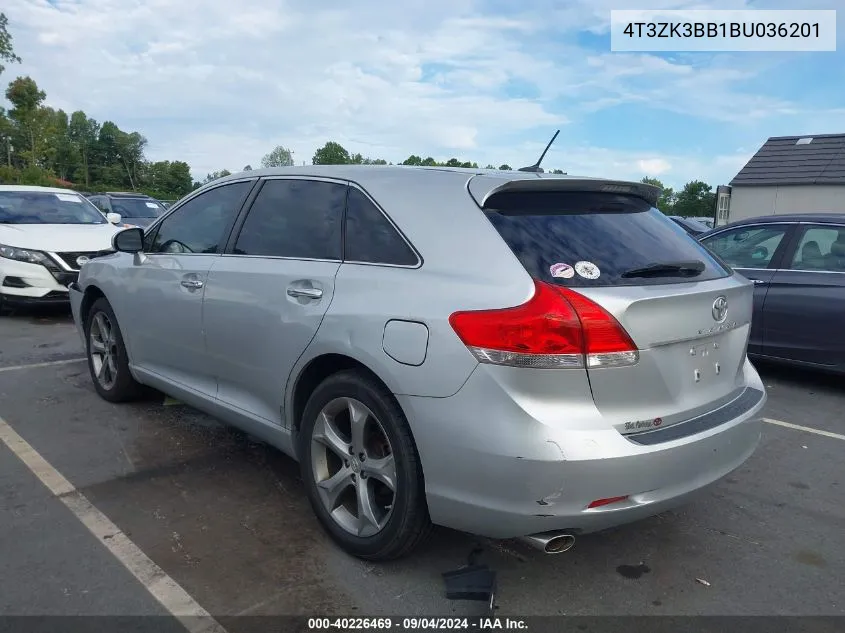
(331, 488)
(367, 521)
(326, 434)
(103, 327)
(97, 345)
(357, 421)
(101, 373)
(383, 469)
(112, 365)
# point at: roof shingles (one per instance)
(781, 162)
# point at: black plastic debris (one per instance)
(473, 582)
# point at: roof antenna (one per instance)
(536, 166)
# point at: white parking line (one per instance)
(162, 587)
(51, 363)
(808, 429)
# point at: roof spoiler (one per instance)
(482, 188)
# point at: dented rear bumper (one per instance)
(493, 469)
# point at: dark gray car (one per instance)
(134, 208)
(797, 264)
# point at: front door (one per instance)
(165, 287)
(267, 296)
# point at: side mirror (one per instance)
(128, 240)
(114, 218)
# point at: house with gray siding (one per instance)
(789, 174)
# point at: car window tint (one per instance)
(747, 247)
(198, 226)
(821, 248)
(294, 218)
(605, 236)
(370, 237)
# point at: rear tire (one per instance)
(108, 361)
(355, 441)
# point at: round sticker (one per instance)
(588, 270)
(562, 270)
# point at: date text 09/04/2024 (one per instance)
(720, 29)
(417, 624)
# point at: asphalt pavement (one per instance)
(227, 519)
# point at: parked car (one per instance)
(797, 264)
(708, 222)
(46, 235)
(135, 208)
(508, 354)
(690, 225)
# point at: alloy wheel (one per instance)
(353, 466)
(103, 350)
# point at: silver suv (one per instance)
(504, 353)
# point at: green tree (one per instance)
(666, 201)
(247, 168)
(331, 154)
(215, 175)
(29, 117)
(7, 51)
(413, 160)
(505, 167)
(65, 159)
(695, 199)
(83, 133)
(279, 157)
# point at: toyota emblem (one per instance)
(83, 259)
(720, 309)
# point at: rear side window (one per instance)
(299, 219)
(370, 237)
(598, 239)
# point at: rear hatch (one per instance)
(687, 315)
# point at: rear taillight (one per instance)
(556, 328)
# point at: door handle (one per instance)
(310, 293)
(192, 283)
(758, 282)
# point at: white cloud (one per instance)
(220, 87)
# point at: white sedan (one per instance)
(46, 235)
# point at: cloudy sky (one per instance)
(482, 80)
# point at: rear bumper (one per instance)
(492, 470)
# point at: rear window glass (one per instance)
(598, 239)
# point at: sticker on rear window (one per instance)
(68, 197)
(564, 271)
(152, 205)
(588, 270)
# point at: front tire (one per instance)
(361, 469)
(108, 361)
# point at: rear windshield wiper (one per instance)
(691, 268)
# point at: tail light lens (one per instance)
(556, 328)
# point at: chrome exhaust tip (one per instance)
(550, 542)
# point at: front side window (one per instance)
(201, 224)
(42, 207)
(747, 247)
(299, 219)
(822, 248)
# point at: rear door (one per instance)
(754, 251)
(688, 315)
(806, 299)
(267, 295)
